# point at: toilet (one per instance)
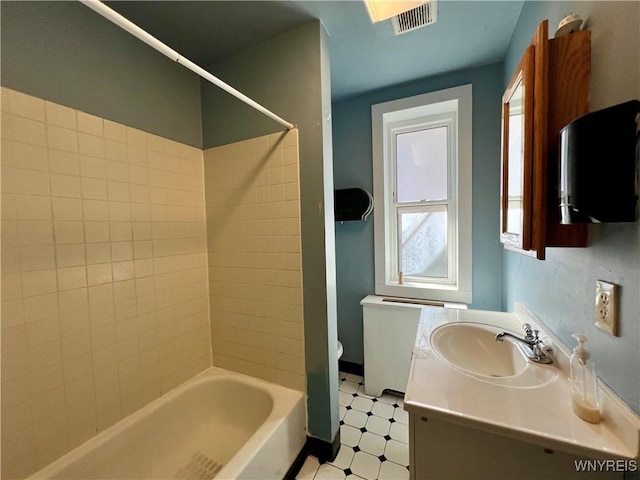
(340, 350)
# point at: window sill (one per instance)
(442, 293)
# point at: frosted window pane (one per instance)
(423, 244)
(422, 165)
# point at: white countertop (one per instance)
(540, 415)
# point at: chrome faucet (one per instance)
(530, 345)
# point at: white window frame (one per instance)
(408, 114)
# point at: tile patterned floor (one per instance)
(374, 438)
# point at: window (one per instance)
(422, 196)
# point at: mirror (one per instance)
(517, 156)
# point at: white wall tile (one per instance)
(254, 238)
(23, 105)
(24, 130)
(65, 186)
(70, 278)
(60, 115)
(38, 283)
(62, 139)
(115, 131)
(96, 232)
(35, 258)
(67, 163)
(94, 189)
(93, 167)
(31, 182)
(70, 255)
(115, 150)
(90, 145)
(76, 345)
(12, 313)
(67, 209)
(23, 155)
(34, 232)
(103, 272)
(41, 356)
(92, 125)
(51, 403)
(98, 253)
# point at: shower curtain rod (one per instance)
(133, 29)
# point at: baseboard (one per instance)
(324, 451)
(350, 367)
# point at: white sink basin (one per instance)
(473, 349)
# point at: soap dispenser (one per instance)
(584, 383)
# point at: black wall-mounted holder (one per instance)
(599, 166)
(352, 204)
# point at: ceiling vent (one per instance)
(419, 17)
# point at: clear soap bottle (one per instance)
(585, 400)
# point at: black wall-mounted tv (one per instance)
(599, 166)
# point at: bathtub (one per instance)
(218, 424)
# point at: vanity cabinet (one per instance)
(443, 450)
(473, 415)
(549, 89)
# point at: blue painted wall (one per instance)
(352, 164)
(561, 289)
(290, 75)
(68, 54)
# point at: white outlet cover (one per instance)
(606, 312)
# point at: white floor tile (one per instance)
(388, 398)
(342, 411)
(401, 415)
(393, 471)
(383, 410)
(362, 404)
(348, 387)
(349, 436)
(344, 399)
(378, 425)
(344, 457)
(397, 452)
(309, 469)
(355, 418)
(372, 443)
(329, 472)
(400, 432)
(362, 393)
(365, 465)
(354, 378)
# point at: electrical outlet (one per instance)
(607, 307)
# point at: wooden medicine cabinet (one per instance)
(549, 89)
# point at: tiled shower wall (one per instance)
(104, 276)
(253, 224)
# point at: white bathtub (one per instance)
(219, 423)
